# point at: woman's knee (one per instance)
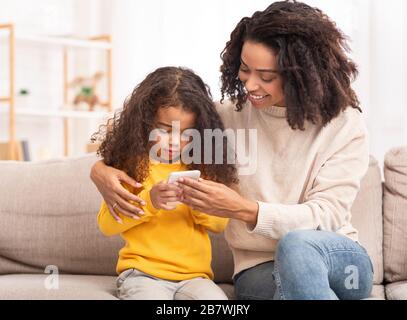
(295, 242)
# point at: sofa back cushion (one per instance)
(48, 217)
(367, 217)
(395, 215)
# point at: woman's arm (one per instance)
(109, 180)
(217, 199)
(326, 206)
(110, 226)
(155, 199)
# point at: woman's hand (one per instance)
(163, 193)
(108, 181)
(217, 199)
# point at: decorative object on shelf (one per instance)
(22, 99)
(86, 98)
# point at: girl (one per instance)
(168, 251)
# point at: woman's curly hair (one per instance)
(125, 141)
(311, 57)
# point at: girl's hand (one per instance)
(108, 181)
(163, 193)
(217, 199)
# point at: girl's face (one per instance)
(259, 74)
(171, 137)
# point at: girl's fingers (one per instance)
(170, 187)
(166, 194)
(171, 199)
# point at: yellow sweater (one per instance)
(170, 245)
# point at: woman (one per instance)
(287, 75)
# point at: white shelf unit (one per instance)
(102, 42)
(60, 113)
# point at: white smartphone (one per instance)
(193, 174)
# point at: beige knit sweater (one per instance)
(301, 179)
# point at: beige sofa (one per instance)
(48, 218)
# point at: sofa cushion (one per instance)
(377, 292)
(222, 259)
(397, 290)
(367, 217)
(395, 215)
(48, 217)
(70, 287)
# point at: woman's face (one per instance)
(259, 73)
(171, 122)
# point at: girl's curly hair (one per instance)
(311, 57)
(125, 141)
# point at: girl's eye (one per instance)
(268, 80)
(185, 136)
(162, 131)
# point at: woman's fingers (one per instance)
(127, 208)
(125, 178)
(114, 214)
(195, 204)
(201, 185)
(127, 195)
(188, 192)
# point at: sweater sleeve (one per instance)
(109, 226)
(327, 205)
(211, 223)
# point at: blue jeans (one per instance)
(310, 265)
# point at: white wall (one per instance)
(193, 33)
(149, 34)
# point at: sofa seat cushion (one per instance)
(71, 287)
(377, 291)
(397, 290)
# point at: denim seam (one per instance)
(252, 297)
(277, 280)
